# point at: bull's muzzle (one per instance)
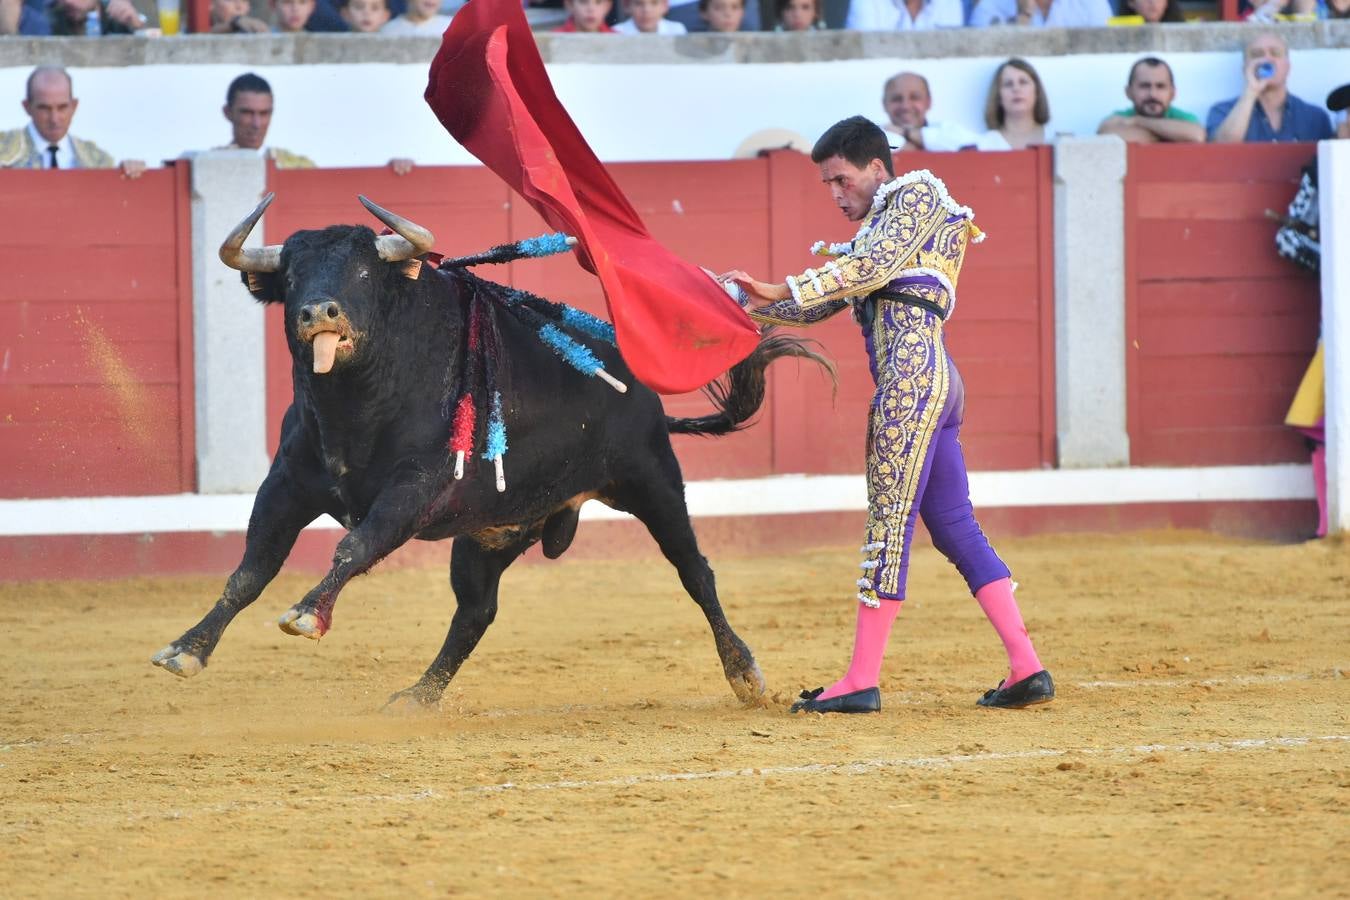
(325, 327)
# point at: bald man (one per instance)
(907, 100)
(46, 142)
(1265, 110)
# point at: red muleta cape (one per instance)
(676, 329)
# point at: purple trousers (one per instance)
(914, 461)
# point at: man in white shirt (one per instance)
(904, 15)
(1041, 13)
(46, 142)
(907, 100)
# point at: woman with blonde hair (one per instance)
(1016, 109)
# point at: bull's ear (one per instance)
(264, 286)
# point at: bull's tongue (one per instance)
(325, 351)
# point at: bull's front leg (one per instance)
(393, 519)
(280, 512)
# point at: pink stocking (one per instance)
(869, 647)
(1319, 471)
(996, 599)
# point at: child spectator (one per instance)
(722, 15)
(648, 17)
(1150, 12)
(366, 16)
(587, 16)
(798, 15)
(232, 17)
(292, 15)
(421, 17)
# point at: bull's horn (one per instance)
(409, 239)
(234, 254)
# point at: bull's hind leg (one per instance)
(475, 573)
(279, 514)
(658, 502)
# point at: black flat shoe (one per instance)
(1034, 689)
(868, 700)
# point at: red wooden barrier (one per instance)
(761, 215)
(95, 334)
(1219, 328)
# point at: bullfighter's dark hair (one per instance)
(858, 140)
(247, 83)
(1149, 61)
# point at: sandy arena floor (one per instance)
(1200, 746)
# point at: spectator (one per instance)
(1298, 241)
(1016, 110)
(1041, 13)
(907, 100)
(71, 17)
(421, 17)
(1333, 9)
(1266, 111)
(248, 108)
(587, 16)
(1152, 117)
(18, 17)
(1151, 12)
(1338, 101)
(648, 17)
(364, 16)
(688, 14)
(46, 142)
(292, 16)
(1272, 11)
(326, 18)
(232, 17)
(904, 15)
(802, 15)
(721, 15)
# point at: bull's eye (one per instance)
(364, 273)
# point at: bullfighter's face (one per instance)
(853, 187)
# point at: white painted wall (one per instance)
(363, 114)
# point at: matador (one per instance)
(899, 276)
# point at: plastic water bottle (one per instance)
(92, 26)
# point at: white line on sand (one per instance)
(1211, 682)
(918, 762)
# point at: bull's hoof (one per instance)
(179, 662)
(302, 622)
(748, 684)
(419, 698)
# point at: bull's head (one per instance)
(328, 280)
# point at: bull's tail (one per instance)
(738, 394)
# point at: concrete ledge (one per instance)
(756, 47)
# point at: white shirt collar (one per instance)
(65, 151)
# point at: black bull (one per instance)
(365, 442)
